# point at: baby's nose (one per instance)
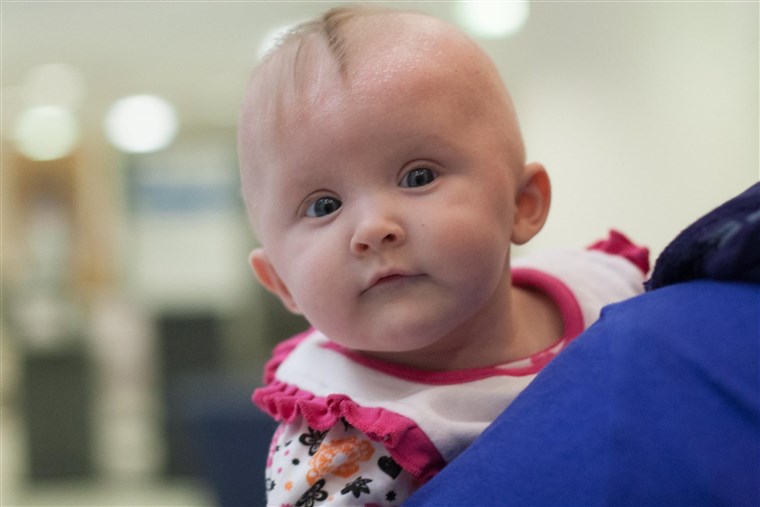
(376, 234)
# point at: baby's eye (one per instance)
(418, 177)
(323, 206)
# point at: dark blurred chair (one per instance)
(230, 438)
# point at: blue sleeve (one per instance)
(658, 403)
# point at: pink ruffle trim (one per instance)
(618, 244)
(404, 440)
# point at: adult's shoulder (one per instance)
(657, 403)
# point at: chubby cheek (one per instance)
(473, 233)
(317, 282)
(476, 253)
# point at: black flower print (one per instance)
(312, 439)
(296, 461)
(313, 495)
(391, 496)
(270, 484)
(357, 487)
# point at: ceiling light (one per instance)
(46, 132)
(141, 124)
(492, 19)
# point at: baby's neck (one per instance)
(537, 322)
(523, 322)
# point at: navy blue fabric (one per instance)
(658, 403)
(722, 245)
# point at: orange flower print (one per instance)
(340, 457)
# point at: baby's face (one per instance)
(387, 206)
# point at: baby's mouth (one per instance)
(390, 279)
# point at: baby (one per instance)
(384, 172)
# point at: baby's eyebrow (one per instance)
(428, 145)
(306, 183)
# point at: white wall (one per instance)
(645, 114)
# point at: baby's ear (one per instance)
(532, 203)
(267, 275)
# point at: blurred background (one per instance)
(132, 330)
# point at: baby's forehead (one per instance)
(390, 57)
(372, 58)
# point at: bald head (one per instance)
(367, 54)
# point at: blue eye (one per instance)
(418, 178)
(323, 206)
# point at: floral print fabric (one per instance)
(339, 466)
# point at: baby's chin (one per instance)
(391, 350)
(421, 352)
(396, 338)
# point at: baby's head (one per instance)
(384, 171)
